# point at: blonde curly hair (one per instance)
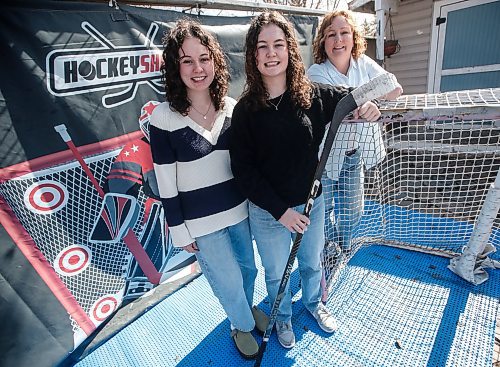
(319, 41)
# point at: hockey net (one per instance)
(442, 155)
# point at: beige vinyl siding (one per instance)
(412, 27)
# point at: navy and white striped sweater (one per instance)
(192, 167)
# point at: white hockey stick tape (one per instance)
(375, 88)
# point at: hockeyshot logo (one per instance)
(117, 69)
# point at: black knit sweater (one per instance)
(274, 153)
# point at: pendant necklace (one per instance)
(204, 115)
(277, 104)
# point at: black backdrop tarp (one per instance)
(74, 63)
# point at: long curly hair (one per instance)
(359, 41)
(175, 89)
(255, 94)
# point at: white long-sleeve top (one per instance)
(365, 136)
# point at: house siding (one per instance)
(412, 27)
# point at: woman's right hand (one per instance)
(294, 221)
(191, 248)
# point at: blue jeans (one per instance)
(227, 260)
(350, 201)
(274, 243)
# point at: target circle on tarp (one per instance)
(103, 308)
(73, 260)
(46, 197)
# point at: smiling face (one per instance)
(196, 67)
(272, 53)
(339, 40)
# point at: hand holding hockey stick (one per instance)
(376, 88)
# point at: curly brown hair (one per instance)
(359, 41)
(175, 89)
(255, 94)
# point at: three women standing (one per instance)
(274, 138)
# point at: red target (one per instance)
(103, 308)
(73, 260)
(46, 197)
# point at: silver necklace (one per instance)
(277, 104)
(203, 114)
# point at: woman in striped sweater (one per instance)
(205, 212)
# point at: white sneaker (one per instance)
(325, 319)
(286, 337)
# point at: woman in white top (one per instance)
(340, 60)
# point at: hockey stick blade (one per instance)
(376, 88)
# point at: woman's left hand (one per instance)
(368, 111)
(294, 221)
(394, 93)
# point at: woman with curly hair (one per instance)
(205, 212)
(278, 125)
(339, 58)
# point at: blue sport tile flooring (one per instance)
(394, 307)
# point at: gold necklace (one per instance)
(277, 104)
(203, 114)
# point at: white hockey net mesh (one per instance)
(442, 153)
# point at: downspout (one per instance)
(380, 21)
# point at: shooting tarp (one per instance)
(90, 67)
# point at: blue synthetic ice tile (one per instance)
(394, 307)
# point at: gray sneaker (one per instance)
(286, 337)
(325, 319)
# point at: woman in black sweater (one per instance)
(277, 128)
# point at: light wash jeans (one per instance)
(274, 243)
(350, 201)
(227, 260)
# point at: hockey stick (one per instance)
(375, 88)
(130, 238)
